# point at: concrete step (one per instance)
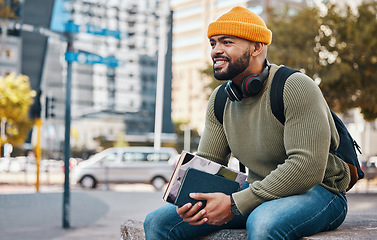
(363, 226)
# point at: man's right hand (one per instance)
(191, 215)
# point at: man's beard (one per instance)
(234, 67)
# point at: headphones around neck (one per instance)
(251, 85)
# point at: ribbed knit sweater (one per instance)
(283, 160)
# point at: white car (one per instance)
(127, 165)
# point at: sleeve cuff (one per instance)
(246, 201)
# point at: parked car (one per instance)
(127, 165)
(370, 168)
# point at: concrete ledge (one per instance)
(133, 230)
(355, 227)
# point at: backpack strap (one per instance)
(276, 94)
(219, 106)
(220, 101)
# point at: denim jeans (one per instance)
(291, 217)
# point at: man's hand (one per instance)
(216, 212)
(191, 215)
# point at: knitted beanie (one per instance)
(243, 23)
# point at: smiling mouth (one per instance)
(219, 62)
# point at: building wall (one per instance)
(126, 94)
(10, 47)
(10, 42)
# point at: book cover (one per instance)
(199, 181)
(189, 160)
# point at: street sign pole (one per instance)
(160, 75)
(67, 146)
(70, 29)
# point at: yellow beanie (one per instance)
(243, 23)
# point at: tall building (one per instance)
(191, 50)
(10, 40)
(34, 45)
(10, 54)
(107, 102)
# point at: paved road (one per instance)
(98, 214)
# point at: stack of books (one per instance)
(194, 174)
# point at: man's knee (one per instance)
(153, 224)
(149, 221)
(257, 229)
(265, 227)
(159, 223)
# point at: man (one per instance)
(296, 187)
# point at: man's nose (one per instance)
(217, 49)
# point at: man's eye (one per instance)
(227, 42)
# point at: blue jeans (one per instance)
(291, 217)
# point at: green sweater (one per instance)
(282, 160)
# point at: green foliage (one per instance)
(293, 39)
(212, 83)
(16, 96)
(338, 48)
(349, 58)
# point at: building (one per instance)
(107, 102)
(10, 50)
(10, 41)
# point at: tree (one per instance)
(338, 48)
(348, 50)
(293, 39)
(210, 81)
(16, 96)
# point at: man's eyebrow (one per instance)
(223, 37)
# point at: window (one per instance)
(8, 53)
(158, 157)
(187, 12)
(134, 157)
(188, 26)
(109, 158)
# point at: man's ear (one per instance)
(257, 48)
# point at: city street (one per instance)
(98, 214)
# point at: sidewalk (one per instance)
(95, 214)
(98, 214)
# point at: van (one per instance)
(127, 165)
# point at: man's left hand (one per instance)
(217, 209)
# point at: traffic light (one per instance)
(49, 107)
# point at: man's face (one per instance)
(230, 55)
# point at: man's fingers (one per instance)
(196, 219)
(182, 210)
(191, 214)
(191, 211)
(200, 222)
(199, 196)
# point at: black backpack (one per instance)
(347, 146)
